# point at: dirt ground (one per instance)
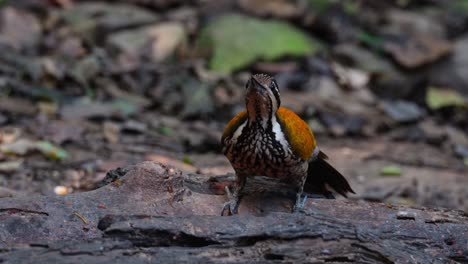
(89, 86)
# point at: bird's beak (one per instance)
(255, 86)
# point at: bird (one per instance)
(266, 139)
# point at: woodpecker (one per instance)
(269, 140)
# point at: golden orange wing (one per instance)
(297, 132)
(234, 124)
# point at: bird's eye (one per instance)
(274, 85)
(274, 89)
(247, 84)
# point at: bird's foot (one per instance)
(230, 208)
(300, 204)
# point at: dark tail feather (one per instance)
(320, 172)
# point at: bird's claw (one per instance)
(230, 207)
(300, 204)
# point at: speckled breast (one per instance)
(256, 153)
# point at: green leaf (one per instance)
(46, 94)
(460, 6)
(391, 171)
(187, 160)
(125, 107)
(167, 131)
(320, 6)
(437, 98)
(3, 3)
(236, 41)
(351, 8)
(371, 40)
(51, 151)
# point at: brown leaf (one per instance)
(417, 50)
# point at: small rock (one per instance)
(377, 193)
(10, 166)
(411, 133)
(52, 68)
(197, 97)
(47, 108)
(335, 25)
(16, 105)
(350, 77)
(186, 15)
(456, 136)
(433, 133)
(59, 132)
(452, 72)
(461, 151)
(405, 215)
(293, 80)
(413, 22)
(86, 69)
(111, 132)
(3, 119)
(363, 59)
(330, 92)
(167, 37)
(180, 165)
(85, 108)
(133, 126)
(82, 109)
(19, 29)
(403, 111)
(9, 134)
(61, 190)
(339, 124)
(386, 80)
(319, 66)
(93, 20)
(72, 47)
(316, 126)
(19, 147)
(5, 192)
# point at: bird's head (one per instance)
(262, 97)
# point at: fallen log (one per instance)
(150, 212)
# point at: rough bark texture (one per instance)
(152, 213)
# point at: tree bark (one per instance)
(152, 213)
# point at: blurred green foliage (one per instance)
(371, 40)
(236, 41)
(167, 131)
(3, 3)
(320, 6)
(461, 6)
(125, 107)
(51, 151)
(437, 98)
(391, 171)
(187, 160)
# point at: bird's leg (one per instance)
(234, 198)
(300, 201)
